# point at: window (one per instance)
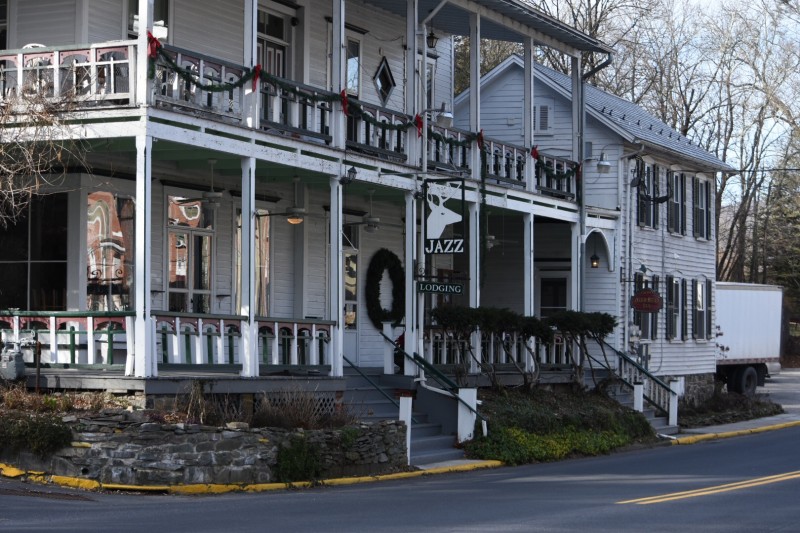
(190, 252)
(160, 18)
(642, 320)
(701, 326)
(384, 81)
(701, 200)
(648, 189)
(676, 210)
(110, 243)
(673, 323)
(33, 265)
(353, 66)
(260, 259)
(3, 24)
(273, 43)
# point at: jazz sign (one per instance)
(439, 217)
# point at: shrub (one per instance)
(298, 460)
(37, 433)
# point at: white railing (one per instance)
(450, 149)
(655, 391)
(101, 73)
(195, 81)
(506, 162)
(554, 177)
(296, 109)
(367, 135)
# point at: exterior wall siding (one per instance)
(105, 20)
(55, 29)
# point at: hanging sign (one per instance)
(646, 301)
(440, 287)
(440, 218)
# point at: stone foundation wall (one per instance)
(120, 449)
(698, 388)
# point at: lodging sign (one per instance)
(440, 287)
(646, 301)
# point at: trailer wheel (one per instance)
(747, 380)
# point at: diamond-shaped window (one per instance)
(384, 81)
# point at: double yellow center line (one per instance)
(715, 490)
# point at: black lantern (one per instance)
(432, 40)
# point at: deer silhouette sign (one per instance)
(439, 217)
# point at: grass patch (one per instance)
(540, 426)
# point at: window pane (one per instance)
(350, 277)
(190, 213)
(202, 262)
(177, 302)
(353, 66)
(49, 227)
(178, 256)
(14, 240)
(48, 286)
(14, 291)
(110, 242)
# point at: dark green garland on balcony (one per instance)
(550, 171)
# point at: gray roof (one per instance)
(454, 20)
(631, 121)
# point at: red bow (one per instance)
(535, 152)
(480, 139)
(343, 95)
(418, 124)
(153, 45)
(256, 76)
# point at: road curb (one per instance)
(11, 471)
(693, 439)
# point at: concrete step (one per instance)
(425, 429)
(440, 456)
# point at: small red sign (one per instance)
(647, 301)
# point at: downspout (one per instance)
(582, 191)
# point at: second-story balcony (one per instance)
(104, 75)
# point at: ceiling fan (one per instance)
(371, 223)
(295, 214)
(210, 197)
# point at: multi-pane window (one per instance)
(673, 323)
(701, 201)
(701, 297)
(110, 225)
(676, 206)
(648, 190)
(353, 67)
(33, 265)
(160, 17)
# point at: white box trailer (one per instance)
(749, 318)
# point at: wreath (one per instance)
(385, 260)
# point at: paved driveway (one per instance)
(784, 388)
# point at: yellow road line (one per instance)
(715, 489)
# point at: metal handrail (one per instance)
(375, 385)
(449, 386)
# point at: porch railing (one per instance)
(195, 83)
(554, 177)
(506, 162)
(448, 149)
(91, 338)
(100, 74)
(365, 136)
(295, 109)
(187, 338)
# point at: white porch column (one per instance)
(528, 279)
(574, 266)
(528, 114)
(578, 120)
(248, 347)
(251, 98)
(335, 281)
(338, 76)
(475, 86)
(145, 364)
(410, 338)
(145, 23)
(413, 83)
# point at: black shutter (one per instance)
(654, 315)
(709, 327)
(682, 205)
(695, 207)
(656, 194)
(685, 313)
(694, 309)
(641, 205)
(708, 210)
(670, 315)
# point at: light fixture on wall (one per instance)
(432, 40)
(444, 117)
(594, 261)
(349, 177)
(603, 164)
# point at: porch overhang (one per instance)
(501, 20)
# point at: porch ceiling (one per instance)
(453, 18)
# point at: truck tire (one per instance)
(747, 380)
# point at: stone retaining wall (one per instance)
(121, 448)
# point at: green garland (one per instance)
(385, 260)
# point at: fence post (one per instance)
(388, 349)
(638, 396)
(673, 402)
(466, 417)
(405, 417)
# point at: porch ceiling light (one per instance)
(432, 40)
(294, 215)
(603, 164)
(594, 261)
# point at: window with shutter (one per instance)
(654, 315)
(700, 326)
(673, 318)
(676, 214)
(709, 308)
(701, 198)
(685, 315)
(656, 193)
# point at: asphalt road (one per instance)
(576, 495)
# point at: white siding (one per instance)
(105, 20)
(209, 27)
(57, 28)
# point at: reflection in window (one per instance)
(190, 212)
(384, 81)
(353, 67)
(260, 260)
(109, 238)
(33, 265)
(350, 290)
